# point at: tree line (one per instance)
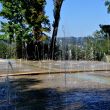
(25, 33)
(27, 25)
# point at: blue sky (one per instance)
(80, 17)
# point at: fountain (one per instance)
(63, 30)
(7, 95)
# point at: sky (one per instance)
(79, 18)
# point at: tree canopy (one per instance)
(24, 17)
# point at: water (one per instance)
(7, 93)
(90, 93)
(63, 91)
(91, 77)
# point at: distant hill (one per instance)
(71, 40)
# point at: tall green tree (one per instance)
(56, 12)
(34, 13)
(25, 17)
(12, 11)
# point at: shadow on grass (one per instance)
(53, 99)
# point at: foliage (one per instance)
(93, 47)
(97, 45)
(7, 50)
(107, 3)
(78, 53)
(12, 11)
(3, 37)
(24, 19)
(101, 42)
(35, 16)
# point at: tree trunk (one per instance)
(57, 9)
(53, 43)
(19, 46)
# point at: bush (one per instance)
(7, 50)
